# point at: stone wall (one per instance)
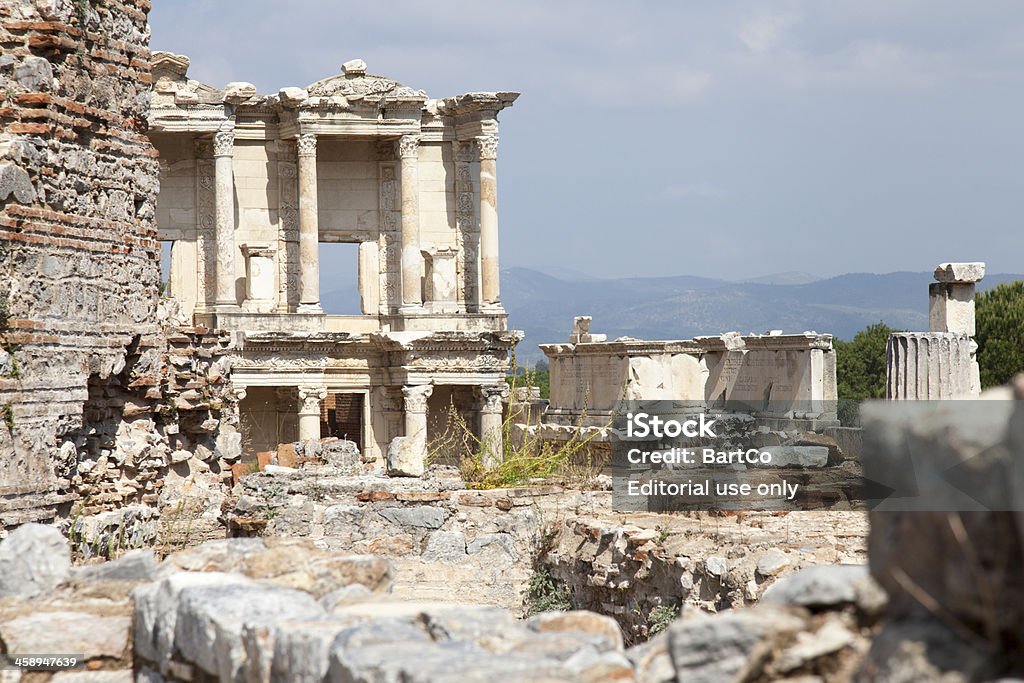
(92, 389)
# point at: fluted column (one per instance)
(224, 219)
(412, 260)
(928, 366)
(491, 419)
(309, 411)
(309, 228)
(489, 271)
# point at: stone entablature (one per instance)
(775, 375)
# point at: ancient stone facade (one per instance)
(91, 406)
(251, 187)
(789, 376)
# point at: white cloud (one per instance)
(764, 32)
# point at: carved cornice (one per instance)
(408, 147)
(306, 145)
(488, 146)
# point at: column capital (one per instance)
(309, 399)
(408, 147)
(306, 145)
(488, 146)
(223, 142)
(416, 398)
(491, 397)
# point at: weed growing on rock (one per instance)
(545, 593)
(660, 617)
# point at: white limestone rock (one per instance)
(80, 633)
(711, 649)
(292, 96)
(961, 273)
(406, 457)
(34, 560)
(818, 586)
(15, 183)
(772, 562)
(211, 618)
(354, 67)
(238, 91)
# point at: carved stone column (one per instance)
(491, 419)
(928, 366)
(412, 261)
(407, 454)
(260, 289)
(309, 411)
(309, 229)
(489, 275)
(224, 219)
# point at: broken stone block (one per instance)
(34, 559)
(406, 457)
(14, 181)
(238, 91)
(210, 619)
(354, 67)
(711, 649)
(772, 562)
(819, 586)
(966, 273)
(421, 516)
(292, 97)
(34, 74)
(579, 621)
(80, 633)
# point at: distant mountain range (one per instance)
(680, 307)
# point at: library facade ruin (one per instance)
(252, 186)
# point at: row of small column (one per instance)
(415, 398)
(407, 149)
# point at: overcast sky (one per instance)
(718, 138)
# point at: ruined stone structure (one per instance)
(780, 376)
(252, 185)
(93, 410)
(941, 363)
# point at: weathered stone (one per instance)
(291, 97)
(421, 516)
(80, 633)
(34, 74)
(771, 563)
(406, 457)
(579, 621)
(715, 649)
(960, 272)
(716, 566)
(238, 92)
(818, 586)
(210, 620)
(34, 559)
(135, 565)
(15, 183)
(830, 638)
(446, 546)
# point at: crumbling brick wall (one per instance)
(84, 369)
